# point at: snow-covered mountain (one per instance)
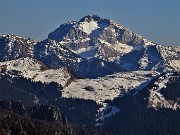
(97, 62)
(79, 45)
(92, 27)
(96, 37)
(90, 48)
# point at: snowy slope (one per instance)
(36, 71)
(101, 50)
(108, 88)
(153, 57)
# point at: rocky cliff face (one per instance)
(93, 26)
(41, 112)
(19, 119)
(93, 33)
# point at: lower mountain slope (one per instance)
(127, 101)
(141, 115)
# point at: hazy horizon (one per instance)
(156, 20)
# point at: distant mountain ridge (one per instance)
(14, 47)
(76, 45)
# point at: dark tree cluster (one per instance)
(26, 90)
(17, 119)
(172, 90)
(79, 111)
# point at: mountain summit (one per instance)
(91, 29)
(94, 37)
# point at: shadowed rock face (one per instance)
(40, 119)
(13, 106)
(48, 113)
(55, 55)
(60, 55)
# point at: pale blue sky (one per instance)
(157, 20)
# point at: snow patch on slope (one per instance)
(88, 52)
(123, 48)
(88, 27)
(175, 64)
(22, 64)
(106, 112)
(66, 41)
